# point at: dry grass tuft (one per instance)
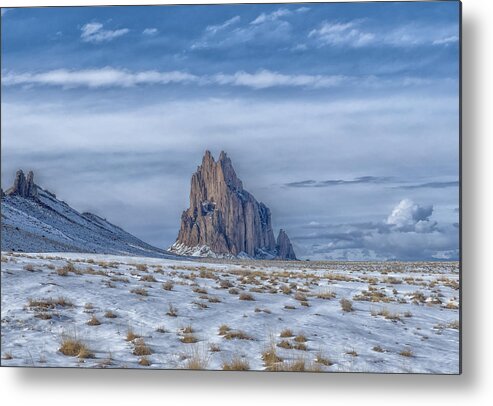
(236, 364)
(237, 335)
(168, 285)
(346, 305)
(144, 361)
(197, 358)
(110, 315)
(172, 311)
(246, 296)
(93, 321)
(189, 339)
(139, 291)
(223, 329)
(141, 348)
(74, 347)
(320, 359)
(406, 353)
(286, 333)
(131, 335)
(148, 278)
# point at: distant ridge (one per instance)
(34, 220)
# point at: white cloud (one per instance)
(265, 79)
(110, 77)
(96, 78)
(408, 215)
(276, 15)
(342, 34)
(150, 31)
(94, 32)
(447, 40)
(213, 29)
(261, 79)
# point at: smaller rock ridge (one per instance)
(23, 187)
(284, 247)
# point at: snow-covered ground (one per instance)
(404, 317)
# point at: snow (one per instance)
(107, 281)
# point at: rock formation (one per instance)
(24, 187)
(284, 247)
(226, 219)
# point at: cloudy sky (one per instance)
(342, 118)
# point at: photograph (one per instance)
(232, 187)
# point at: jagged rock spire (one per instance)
(284, 247)
(222, 215)
(24, 187)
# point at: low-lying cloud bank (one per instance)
(408, 233)
(109, 77)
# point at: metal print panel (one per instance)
(256, 187)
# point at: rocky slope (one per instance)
(34, 220)
(224, 219)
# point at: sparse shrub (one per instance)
(28, 267)
(270, 357)
(7, 355)
(93, 321)
(187, 330)
(346, 305)
(62, 272)
(141, 267)
(285, 344)
(223, 329)
(236, 364)
(352, 353)
(197, 358)
(289, 307)
(168, 285)
(144, 361)
(233, 291)
(131, 335)
(225, 284)
(161, 330)
(74, 347)
(377, 348)
(214, 348)
(237, 335)
(286, 333)
(300, 346)
(172, 311)
(300, 297)
(43, 316)
(141, 348)
(454, 324)
(406, 353)
(300, 338)
(148, 278)
(320, 359)
(202, 291)
(110, 315)
(214, 299)
(49, 303)
(189, 339)
(246, 296)
(139, 291)
(326, 295)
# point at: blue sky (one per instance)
(343, 118)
